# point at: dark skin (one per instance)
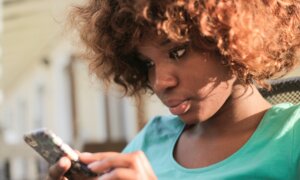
(212, 103)
(234, 111)
(216, 138)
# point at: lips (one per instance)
(179, 107)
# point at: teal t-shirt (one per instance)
(271, 153)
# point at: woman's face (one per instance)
(193, 85)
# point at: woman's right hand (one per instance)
(57, 171)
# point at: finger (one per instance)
(120, 173)
(143, 166)
(91, 157)
(79, 176)
(77, 152)
(57, 170)
(133, 160)
(117, 161)
(50, 178)
(144, 161)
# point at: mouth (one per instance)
(180, 107)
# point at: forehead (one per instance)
(157, 42)
(153, 37)
(149, 47)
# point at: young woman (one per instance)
(204, 60)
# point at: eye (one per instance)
(146, 62)
(149, 64)
(177, 52)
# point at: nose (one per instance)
(163, 79)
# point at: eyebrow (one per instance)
(165, 42)
(162, 43)
(142, 57)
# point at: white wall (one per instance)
(59, 92)
(92, 109)
(154, 107)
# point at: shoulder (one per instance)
(291, 127)
(281, 121)
(284, 120)
(291, 117)
(286, 113)
(289, 114)
(161, 125)
(157, 129)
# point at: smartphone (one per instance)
(52, 148)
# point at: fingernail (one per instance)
(93, 165)
(103, 177)
(63, 161)
(86, 154)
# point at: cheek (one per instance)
(205, 89)
(216, 92)
(213, 100)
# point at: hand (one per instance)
(119, 166)
(57, 171)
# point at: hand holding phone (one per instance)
(52, 148)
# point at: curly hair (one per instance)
(259, 39)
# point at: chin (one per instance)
(193, 118)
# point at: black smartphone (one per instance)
(52, 148)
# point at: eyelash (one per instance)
(149, 64)
(174, 53)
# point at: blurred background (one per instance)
(44, 84)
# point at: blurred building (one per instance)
(44, 84)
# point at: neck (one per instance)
(242, 111)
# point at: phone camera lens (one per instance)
(31, 142)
